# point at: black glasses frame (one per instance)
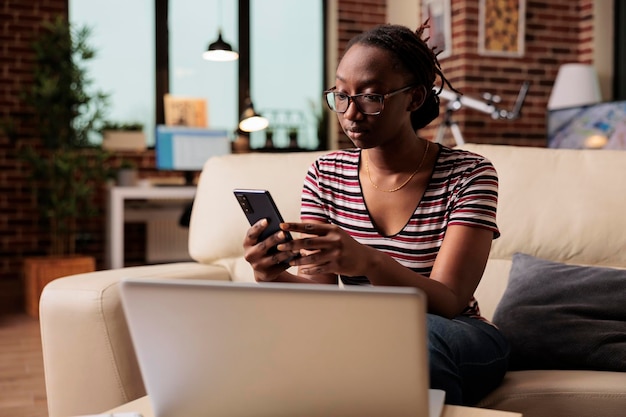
(381, 99)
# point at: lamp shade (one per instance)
(251, 121)
(575, 85)
(220, 50)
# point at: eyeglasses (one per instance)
(370, 104)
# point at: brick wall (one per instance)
(557, 32)
(21, 234)
(19, 237)
(355, 16)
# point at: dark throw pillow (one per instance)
(559, 316)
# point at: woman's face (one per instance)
(369, 69)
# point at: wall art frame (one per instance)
(501, 27)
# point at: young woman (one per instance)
(398, 209)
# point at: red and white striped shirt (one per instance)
(463, 190)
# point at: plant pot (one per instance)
(127, 177)
(39, 271)
(123, 140)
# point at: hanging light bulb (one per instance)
(250, 120)
(220, 50)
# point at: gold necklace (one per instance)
(401, 186)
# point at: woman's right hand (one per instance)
(267, 262)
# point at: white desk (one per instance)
(114, 256)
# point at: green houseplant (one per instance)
(123, 136)
(66, 169)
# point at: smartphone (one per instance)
(257, 205)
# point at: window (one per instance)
(193, 24)
(124, 63)
(286, 60)
(287, 68)
(619, 73)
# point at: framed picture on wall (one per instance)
(185, 111)
(440, 28)
(501, 25)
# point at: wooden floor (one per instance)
(22, 388)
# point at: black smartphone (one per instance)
(257, 205)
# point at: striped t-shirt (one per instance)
(463, 190)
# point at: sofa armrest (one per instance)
(89, 360)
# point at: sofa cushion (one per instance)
(559, 316)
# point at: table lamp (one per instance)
(576, 84)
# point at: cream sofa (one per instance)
(560, 205)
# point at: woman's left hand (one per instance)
(326, 249)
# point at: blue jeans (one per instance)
(468, 358)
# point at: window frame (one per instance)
(162, 55)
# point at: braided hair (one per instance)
(411, 54)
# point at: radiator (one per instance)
(166, 241)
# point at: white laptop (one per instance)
(226, 349)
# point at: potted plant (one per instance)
(123, 136)
(66, 169)
(127, 175)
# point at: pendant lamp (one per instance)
(220, 50)
(250, 120)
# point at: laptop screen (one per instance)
(235, 349)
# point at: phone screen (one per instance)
(257, 205)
